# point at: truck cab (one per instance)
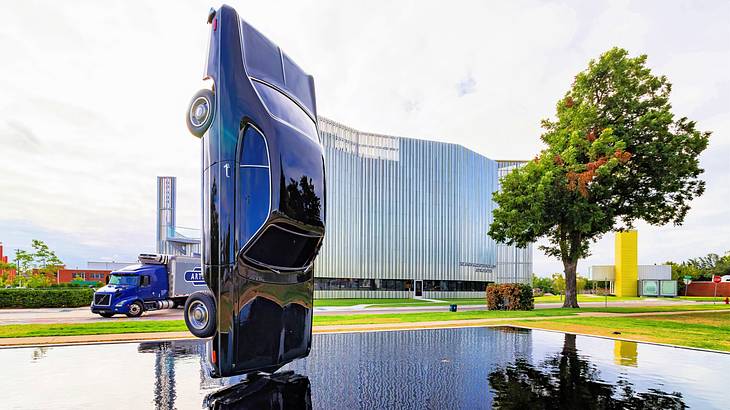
(132, 290)
(156, 282)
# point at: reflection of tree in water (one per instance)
(301, 201)
(39, 353)
(567, 381)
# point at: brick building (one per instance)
(4, 259)
(88, 275)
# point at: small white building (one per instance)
(653, 279)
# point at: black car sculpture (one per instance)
(263, 201)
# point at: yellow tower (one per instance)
(626, 263)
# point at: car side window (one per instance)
(253, 184)
(145, 280)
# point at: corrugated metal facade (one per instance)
(410, 209)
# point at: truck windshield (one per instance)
(129, 280)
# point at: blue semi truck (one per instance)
(156, 282)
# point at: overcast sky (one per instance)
(94, 95)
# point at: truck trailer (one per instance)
(156, 282)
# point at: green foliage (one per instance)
(702, 268)
(42, 260)
(510, 296)
(544, 284)
(615, 154)
(37, 280)
(23, 260)
(558, 283)
(45, 298)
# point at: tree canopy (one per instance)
(615, 154)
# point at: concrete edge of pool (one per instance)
(51, 341)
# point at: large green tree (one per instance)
(615, 154)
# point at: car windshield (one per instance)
(129, 280)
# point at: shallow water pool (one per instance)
(444, 368)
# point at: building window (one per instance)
(455, 285)
(363, 284)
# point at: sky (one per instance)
(93, 96)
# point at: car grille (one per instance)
(102, 299)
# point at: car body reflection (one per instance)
(279, 391)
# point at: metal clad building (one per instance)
(409, 217)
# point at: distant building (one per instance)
(627, 278)
(84, 275)
(4, 259)
(170, 238)
(104, 265)
(409, 218)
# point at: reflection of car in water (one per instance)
(286, 390)
(263, 201)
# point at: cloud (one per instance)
(466, 86)
(94, 97)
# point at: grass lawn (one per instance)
(143, 326)
(586, 298)
(381, 303)
(100, 328)
(719, 299)
(709, 330)
(362, 301)
(376, 318)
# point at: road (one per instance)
(84, 315)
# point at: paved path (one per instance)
(135, 337)
(84, 315)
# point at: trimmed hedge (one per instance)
(45, 298)
(510, 296)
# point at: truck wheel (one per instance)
(200, 112)
(107, 314)
(135, 309)
(200, 314)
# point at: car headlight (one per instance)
(120, 304)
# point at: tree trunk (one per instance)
(571, 293)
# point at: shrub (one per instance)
(45, 298)
(510, 296)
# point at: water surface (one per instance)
(467, 368)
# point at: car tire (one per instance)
(135, 309)
(200, 112)
(200, 314)
(106, 314)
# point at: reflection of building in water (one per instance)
(375, 366)
(282, 391)
(166, 354)
(625, 353)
